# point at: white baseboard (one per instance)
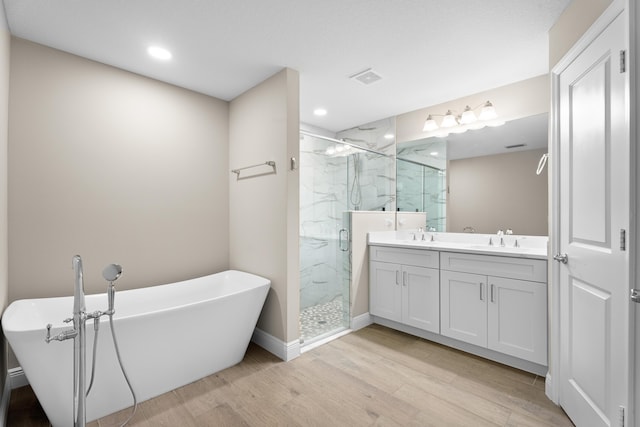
(4, 402)
(505, 359)
(550, 390)
(285, 351)
(361, 321)
(17, 378)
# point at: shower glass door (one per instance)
(336, 178)
(325, 269)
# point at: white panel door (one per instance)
(594, 207)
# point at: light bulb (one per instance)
(430, 124)
(449, 120)
(488, 111)
(468, 116)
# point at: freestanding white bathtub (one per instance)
(168, 335)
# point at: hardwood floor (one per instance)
(372, 377)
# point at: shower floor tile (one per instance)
(318, 320)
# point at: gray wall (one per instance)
(264, 208)
(115, 167)
(571, 25)
(5, 40)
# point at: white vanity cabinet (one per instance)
(405, 286)
(495, 302)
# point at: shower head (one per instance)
(111, 272)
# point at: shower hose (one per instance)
(96, 323)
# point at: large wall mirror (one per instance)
(480, 181)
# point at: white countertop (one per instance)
(527, 246)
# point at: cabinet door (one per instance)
(385, 293)
(517, 318)
(421, 297)
(464, 307)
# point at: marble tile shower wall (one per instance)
(409, 188)
(323, 199)
(435, 202)
(422, 188)
(375, 174)
(331, 186)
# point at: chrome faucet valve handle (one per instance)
(509, 232)
(47, 338)
(500, 232)
(68, 320)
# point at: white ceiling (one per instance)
(427, 51)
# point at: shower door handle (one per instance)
(344, 232)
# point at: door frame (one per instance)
(552, 385)
(634, 232)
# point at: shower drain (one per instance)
(322, 322)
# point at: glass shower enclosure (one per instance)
(336, 177)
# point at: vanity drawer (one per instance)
(416, 257)
(514, 268)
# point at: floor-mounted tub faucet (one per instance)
(78, 335)
(80, 316)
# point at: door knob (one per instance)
(563, 258)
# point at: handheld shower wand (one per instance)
(111, 273)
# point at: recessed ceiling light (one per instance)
(389, 136)
(434, 153)
(320, 112)
(159, 53)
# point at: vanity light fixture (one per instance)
(462, 122)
